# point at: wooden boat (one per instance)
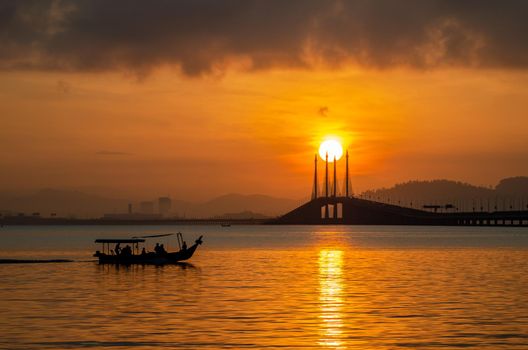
(133, 256)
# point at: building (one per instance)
(164, 205)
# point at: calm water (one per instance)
(271, 287)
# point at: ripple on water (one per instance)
(336, 296)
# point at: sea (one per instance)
(269, 287)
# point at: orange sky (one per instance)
(256, 132)
(197, 98)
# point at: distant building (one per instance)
(164, 205)
(131, 216)
(146, 207)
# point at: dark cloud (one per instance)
(201, 36)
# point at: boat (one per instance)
(225, 225)
(132, 255)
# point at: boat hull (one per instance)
(149, 258)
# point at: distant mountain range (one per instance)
(63, 203)
(235, 206)
(509, 191)
(68, 203)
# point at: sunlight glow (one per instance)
(331, 297)
(333, 148)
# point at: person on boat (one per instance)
(117, 249)
(157, 249)
(127, 250)
(184, 245)
(143, 251)
(162, 249)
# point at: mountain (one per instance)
(256, 203)
(441, 190)
(508, 192)
(70, 203)
(236, 203)
(64, 203)
(516, 186)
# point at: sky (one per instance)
(195, 99)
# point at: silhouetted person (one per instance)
(143, 251)
(127, 250)
(117, 249)
(162, 249)
(157, 248)
(184, 245)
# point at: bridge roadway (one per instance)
(356, 211)
(348, 211)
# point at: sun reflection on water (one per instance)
(331, 298)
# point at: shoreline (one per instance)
(30, 221)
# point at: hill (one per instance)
(237, 203)
(513, 186)
(510, 191)
(64, 203)
(68, 203)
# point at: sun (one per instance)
(333, 148)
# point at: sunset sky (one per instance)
(200, 98)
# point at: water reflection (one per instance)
(331, 298)
(141, 267)
(324, 296)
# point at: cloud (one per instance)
(204, 36)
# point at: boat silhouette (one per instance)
(133, 256)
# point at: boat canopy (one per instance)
(120, 240)
(153, 236)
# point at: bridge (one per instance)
(356, 211)
(332, 209)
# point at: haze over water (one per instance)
(271, 287)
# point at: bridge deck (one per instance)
(355, 211)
